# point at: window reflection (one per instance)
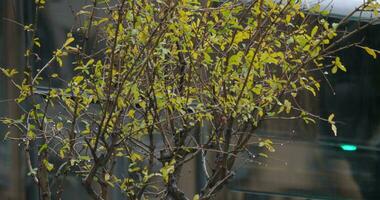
(309, 162)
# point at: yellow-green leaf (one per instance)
(331, 118)
(59, 126)
(314, 31)
(120, 103)
(48, 165)
(288, 106)
(68, 41)
(136, 157)
(37, 42)
(107, 177)
(43, 148)
(240, 36)
(370, 52)
(263, 155)
(339, 64)
(9, 72)
(334, 129)
(78, 79)
(31, 135)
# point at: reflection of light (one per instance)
(341, 8)
(348, 147)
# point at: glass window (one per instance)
(310, 162)
(4, 147)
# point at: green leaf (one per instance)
(136, 157)
(268, 144)
(107, 177)
(290, 41)
(288, 18)
(68, 41)
(131, 113)
(43, 148)
(315, 9)
(335, 26)
(331, 118)
(339, 64)
(167, 170)
(48, 165)
(31, 135)
(332, 122)
(9, 72)
(36, 42)
(120, 103)
(78, 79)
(28, 28)
(314, 31)
(85, 158)
(370, 51)
(311, 89)
(288, 106)
(263, 155)
(334, 129)
(240, 36)
(134, 169)
(325, 12)
(59, 126)
(59, 61)
(236, 59)
(257, 89)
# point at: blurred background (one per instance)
(309, 162)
